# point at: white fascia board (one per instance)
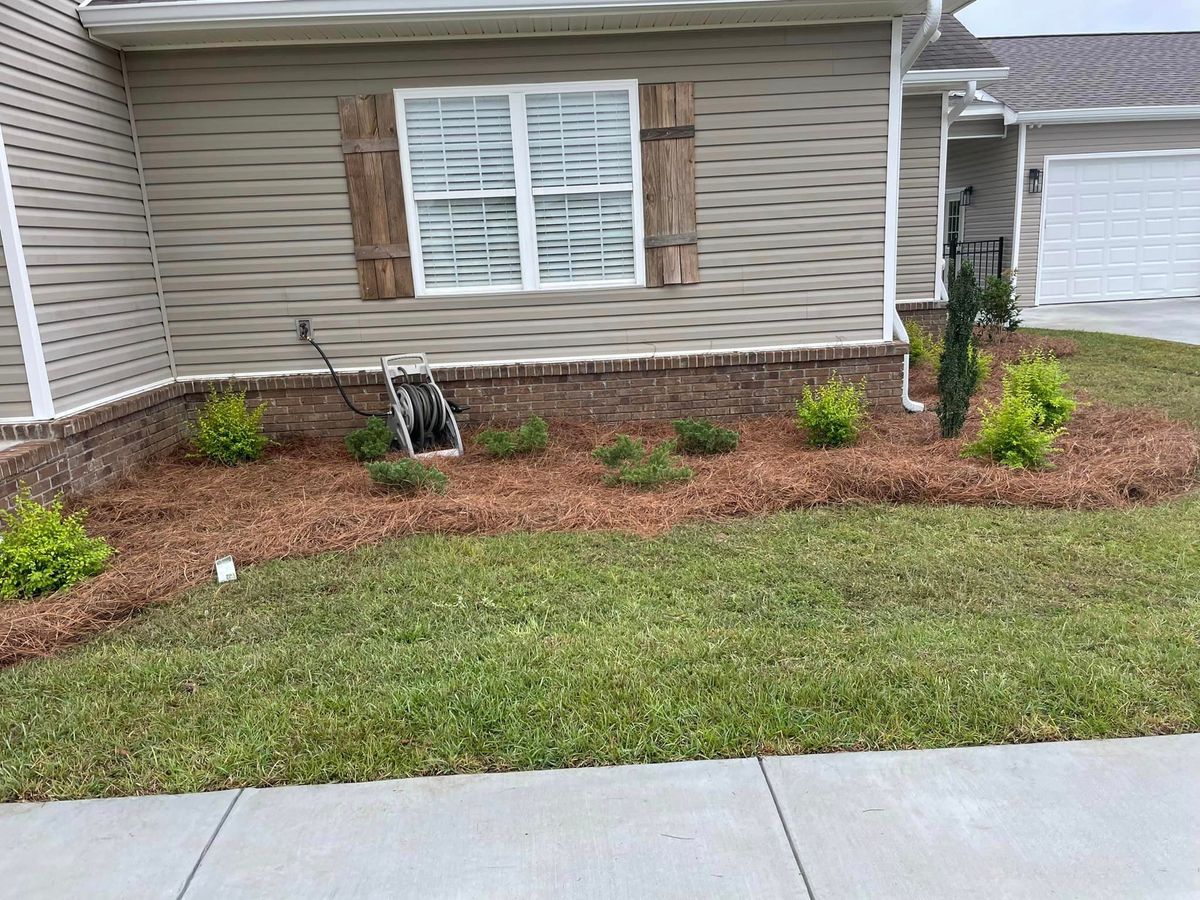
(951, 79)
(1107, 114)
(233, 13)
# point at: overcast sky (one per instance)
(988, 18)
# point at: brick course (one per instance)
(929, 314)
(83, 452)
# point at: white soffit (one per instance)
(165, 24)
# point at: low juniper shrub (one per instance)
(407, 476)
(703, 438)
(41, 550)
(226, 431)
(832, 415)
(623, 449)
(531, 437)
(370, 442)
(651, 469)
(1011, 434)
(1040, 376)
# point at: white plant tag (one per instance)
(226, 570)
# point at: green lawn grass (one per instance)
(868, 627)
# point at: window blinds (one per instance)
(523, 189)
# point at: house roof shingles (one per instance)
(957, 48)
(1098, 71)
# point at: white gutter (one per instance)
(962, 105)
(926, 35)
(938, 77)
(1108, 114)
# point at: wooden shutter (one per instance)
(377, 216)
(668, 114)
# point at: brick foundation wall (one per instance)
(86, 451)
(929, 314)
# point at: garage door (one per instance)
(1120, 228)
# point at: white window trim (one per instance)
(526, 227)
(955, 194)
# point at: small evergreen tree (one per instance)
(957, 372)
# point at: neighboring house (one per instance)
(956, 64)
(570, 184)
(1086, 161)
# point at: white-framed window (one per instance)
(955, 216)
(522, 187)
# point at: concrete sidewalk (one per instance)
(1166, 320)
(1078, 820)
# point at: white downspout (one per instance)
(951, 116)
(926, 35)
(968, 98)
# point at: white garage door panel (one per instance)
(1120, 228)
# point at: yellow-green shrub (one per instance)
(833, 414)
(41, 550)
(226, 431)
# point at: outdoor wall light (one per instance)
(967, 194)
(1035, 181)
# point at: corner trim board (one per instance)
(41, 400)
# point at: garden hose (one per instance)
(430, 416)
(341, 390)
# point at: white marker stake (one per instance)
(225, 570)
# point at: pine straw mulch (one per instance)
(175, 517)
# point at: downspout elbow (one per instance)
(901, 334)
(926, 35)
(962, 105)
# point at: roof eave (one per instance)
(1107, 114)
(186, 23)
(930, 81)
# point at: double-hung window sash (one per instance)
(529, 188)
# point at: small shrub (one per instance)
(1010, 433)
(1040, 376)
(370, 442)
(226, 432)
(998, 305)
(651, 469)
(41, 550)
(407, 475)
(703, 438)
(957, 375)
(623, 449)
(834, 413)
(922, 346)
(532, 436)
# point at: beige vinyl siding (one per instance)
(241, 151)
(1109, 137)
(79, 206)
(989, 165)
(14, 391)
(920, 171)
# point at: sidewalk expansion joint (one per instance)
(212, 837)
(787, 832)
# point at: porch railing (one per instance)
(986, 257)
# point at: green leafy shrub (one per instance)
(532, 436)
(999, 309)
(407, 475)
(651, 469)
(922, 346)
(370, 442)
(1011, 435)
(703, 438)
(833, 414)
(226, 432)
(41, 550)
(1040, 376)
(957, 369)
(623, 449)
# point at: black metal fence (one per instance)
(985, 257)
